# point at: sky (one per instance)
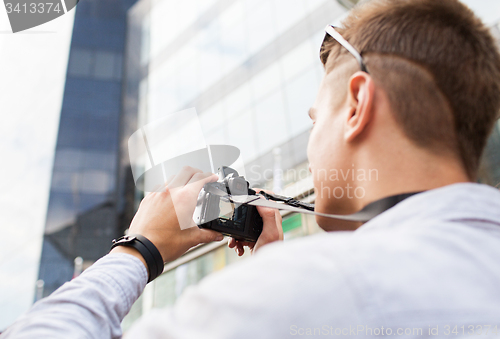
(32, 72)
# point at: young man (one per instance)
(412, 93)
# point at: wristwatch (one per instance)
(147, 249)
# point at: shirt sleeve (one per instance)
(90, 306)
(276, 293)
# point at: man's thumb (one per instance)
(206, 236)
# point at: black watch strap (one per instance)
(148, 251)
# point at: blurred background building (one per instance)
(251, 69)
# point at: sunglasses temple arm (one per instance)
(340, 39)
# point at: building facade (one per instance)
(85, 209)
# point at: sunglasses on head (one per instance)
(331, 33)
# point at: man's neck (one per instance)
(380, 179)
(423, 172)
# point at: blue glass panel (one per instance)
(100, 98)
(102, 135)
(61, 210)
(72, 129)
(55, 267)
(95, 33)
(90, 201)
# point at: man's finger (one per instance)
(279, 222)
(183, 177)
(205, 236)
(267, 214)
(160, 188)
(170, 178)
(200, 179)
(240, 249)
(249, 244)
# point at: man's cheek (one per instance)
(315, 141)
(316, 151)
(310, 147)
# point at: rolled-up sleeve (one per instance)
(90, 306)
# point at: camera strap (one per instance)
(275, 201)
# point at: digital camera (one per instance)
(215, 210)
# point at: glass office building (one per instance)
(85, 210)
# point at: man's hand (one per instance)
(272, 231)
(161, 215)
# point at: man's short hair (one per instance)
(438, 64)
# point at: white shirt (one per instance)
(430, 265)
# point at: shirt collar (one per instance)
(462, 201)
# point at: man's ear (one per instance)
(360, 97)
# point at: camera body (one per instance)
(216, 211)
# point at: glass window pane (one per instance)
(67, 159)
(232, 15)
(266, 81)
(80, 62)
(300, 96)
(234, 47)
(96, 182)
(104, 65)
(145, 40)
(238, 100)
(64, 181)
(209, 55)
(186, 13)
(298, 59)
(87, 201)
(212, 119)
(162, 73)
(241, 133)
(311, 5)
(203, 5)
(72, 129)
(261, 29)
(161, 96)
(117, 74)
(217, 136)
(164, 26)
(61, 211)
(288, 12)
(187, 52)
(188, 82)
(271, 122)
(99, 160)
